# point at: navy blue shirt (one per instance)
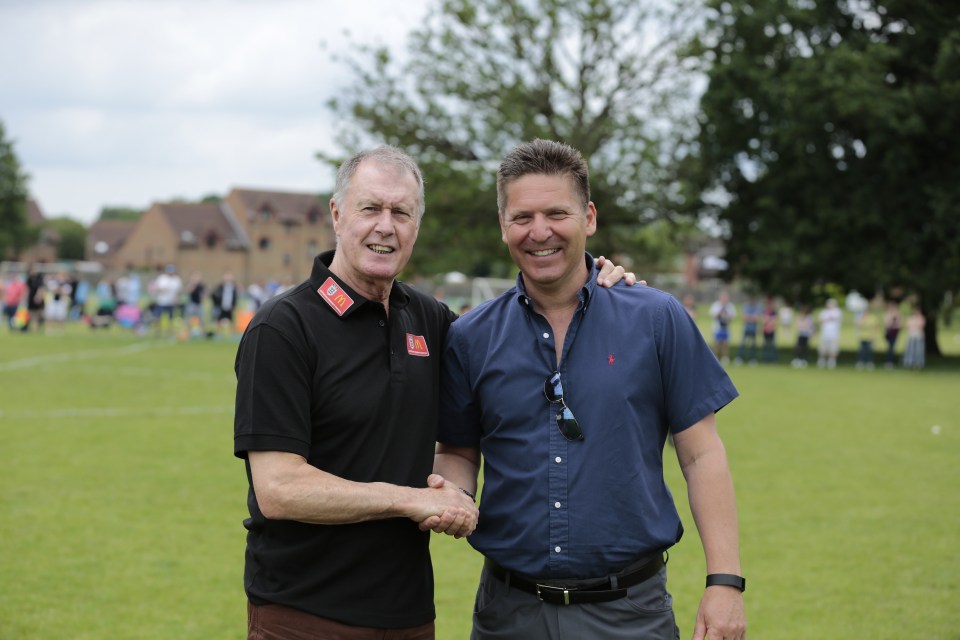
(633, 366)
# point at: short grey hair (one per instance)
(383, 154)
(543, 157)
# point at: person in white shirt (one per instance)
(166, 292)
(830, 319)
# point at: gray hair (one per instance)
(543, 157)
(383, 154)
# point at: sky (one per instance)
(130, 102)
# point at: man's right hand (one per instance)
(451, 511)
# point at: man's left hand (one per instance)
(611, 274)
(721, 615)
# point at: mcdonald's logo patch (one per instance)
(336, 297)
(417, 346)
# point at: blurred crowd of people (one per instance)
(167, 306)
(760, 322)
(161, 304)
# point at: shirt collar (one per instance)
(584, 295)
(399, 298)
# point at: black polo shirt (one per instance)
(326, 374)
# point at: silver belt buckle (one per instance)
(546, 587)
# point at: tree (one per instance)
(120, 213)
(72, 238)
(828, 144)
(16, 232)
(484, 75)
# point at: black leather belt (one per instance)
(604, 590)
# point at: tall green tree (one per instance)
(15, 229)
(71, 238)
(828, 144)
(481, 76)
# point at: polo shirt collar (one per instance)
(584, 295)
(328, 286)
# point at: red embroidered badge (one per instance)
(336, 297)
(417, 346)
(611, 359)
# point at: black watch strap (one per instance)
(727, 580)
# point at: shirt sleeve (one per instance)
(694, 382)
(459, 415)
(273, 394)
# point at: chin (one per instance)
(383, 269)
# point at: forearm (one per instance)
(458, 465)
(713, 505)
(288, 488)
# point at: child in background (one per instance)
(805, 328)
(868, 327)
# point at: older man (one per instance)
(336, 413)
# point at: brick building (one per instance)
(260, 235)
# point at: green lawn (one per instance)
(121, 502)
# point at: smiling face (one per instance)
(376, 224)
(545, 226)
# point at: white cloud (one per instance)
(129, 102)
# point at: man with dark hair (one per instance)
(336, 415)
(569, 391)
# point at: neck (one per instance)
(373, 290)
(560, 298)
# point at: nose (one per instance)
(384, 225)
(540, 230)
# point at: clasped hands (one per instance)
(448, 509)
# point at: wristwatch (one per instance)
(728, 580)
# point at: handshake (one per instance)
(444, 507)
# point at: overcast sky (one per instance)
(128, 102)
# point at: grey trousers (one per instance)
(645, 613)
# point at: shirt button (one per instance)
(556, 504)
(557, 460)
(382, 323)
(546, 335)
(557, 549)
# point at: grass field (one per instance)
(121, 502)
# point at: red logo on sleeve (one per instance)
(336, 297)
(417, 346)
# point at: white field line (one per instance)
(76, 355)
(114, 412)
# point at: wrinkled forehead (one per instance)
(385, 184)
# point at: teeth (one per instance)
(544, 252)
(379, 248)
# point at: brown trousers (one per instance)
(276, 622)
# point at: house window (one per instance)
(312, 248)
(264, 214)
(312, 216)
(264, 243)
(211, 240)
(286, 260)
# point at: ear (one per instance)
(335, 217)
(591, 218)
(503, 229)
